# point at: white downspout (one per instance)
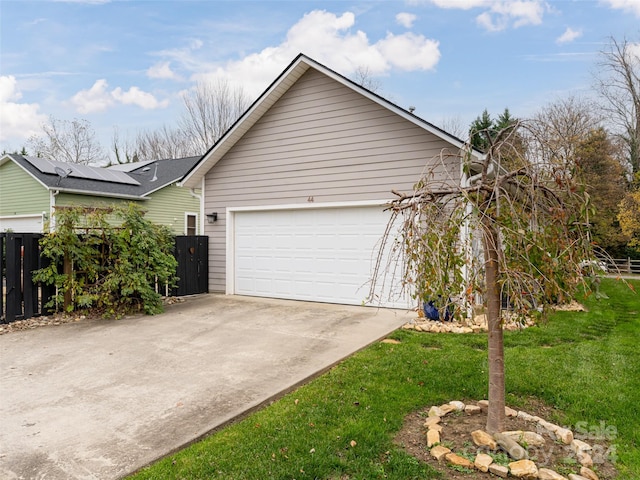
(193, 193)
(52, 209)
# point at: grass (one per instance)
(340, 426)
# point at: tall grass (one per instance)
(340, 426)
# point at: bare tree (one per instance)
(561, 126)
(618, 82)
(455, 127)
(363, 77)
(164, 142)
(72, 141)
(529, 218)
(210, 110)
(124, 151)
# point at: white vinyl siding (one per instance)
(321, 142)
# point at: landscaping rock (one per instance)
(447, 408)
(483, 439)
(565, 435)
(510, 412)
(499, 470)
(523, 469)
(472, 410)
(585, 459)
(532, 439)
(513, 449)
(482, 462)
(580, 446)
(437, 427)
(547, 474)
(456, 459)
(550, 427)
(433, 437)
(588, 473)
(525, 416)
(438, 452)
(459, 406)
(484, 405)
(573, 476)
(432, 421)
(436, 412)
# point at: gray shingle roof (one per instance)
(137, 183)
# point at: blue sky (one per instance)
(127, 63)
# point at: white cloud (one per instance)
(98, 98)
(632, 6)
(410, 51)
(499, 14)
(569, 35)
(406, 19)
(17, 120)
(162, 70)
(502, 14)
(135, 96)
(331, 40)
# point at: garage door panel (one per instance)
(324, 254)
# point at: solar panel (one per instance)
(82, 171)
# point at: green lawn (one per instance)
(340, 426)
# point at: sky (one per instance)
(127, 64)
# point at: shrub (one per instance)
(111, 259)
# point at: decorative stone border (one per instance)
(477, 325)
(512, 443)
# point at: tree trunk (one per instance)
(496, 415)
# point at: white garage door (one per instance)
(22, 224)
(315, 254)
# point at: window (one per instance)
(191, 224)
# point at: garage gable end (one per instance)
(288, 193)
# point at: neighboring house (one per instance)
(32, 188)
(299, 185)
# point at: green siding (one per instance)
(164, 207)
(20, 193)
(168, 206)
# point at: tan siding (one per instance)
(20, 193)
(321, 140)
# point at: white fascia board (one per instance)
(310, 205)
(92, 193)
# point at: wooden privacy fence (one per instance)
(22, 298)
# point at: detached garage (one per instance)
(295, 190)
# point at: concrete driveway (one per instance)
(102, 398)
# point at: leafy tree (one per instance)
(603, 176)
(528, 219)
(72, 141)
(629, 218)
